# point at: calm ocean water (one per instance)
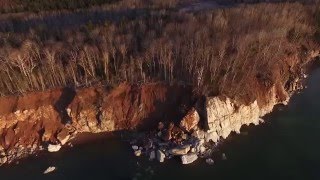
(287, 146)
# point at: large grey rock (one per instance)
(209, 161)
(134, 147)
(49, 170)
(202, 149)
(180, 150)
(54, 148)
(138, 152)
(152, 155)
(189, 158)
(160, 156)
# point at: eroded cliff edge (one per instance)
(47, 120)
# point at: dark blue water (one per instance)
(287, 146)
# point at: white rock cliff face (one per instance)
(224, 116)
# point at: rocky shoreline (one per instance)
(28, 131)
(188, 140)
(191, 139)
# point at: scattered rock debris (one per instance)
(185, 140)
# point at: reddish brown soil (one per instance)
(145, 106)
(32, 100)
(38, 117)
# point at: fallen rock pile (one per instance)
(185, 140)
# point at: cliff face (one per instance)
(47, 120)
(225, 116)
(39, 122)
(32, 122)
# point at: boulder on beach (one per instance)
(190, 121)
(189, 158)
(134, 147)
(138, 153)
(180, 150)
(49, 170)
(160, 156)
(202, 149)
(152, 155)
(54, 147)
(209, 161)
(63, 136)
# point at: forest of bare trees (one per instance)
(224, 50)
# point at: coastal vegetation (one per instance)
(233, 50)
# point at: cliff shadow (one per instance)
(200, 107)
(178, 100)
(63, 102)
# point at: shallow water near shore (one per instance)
(286, 146)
